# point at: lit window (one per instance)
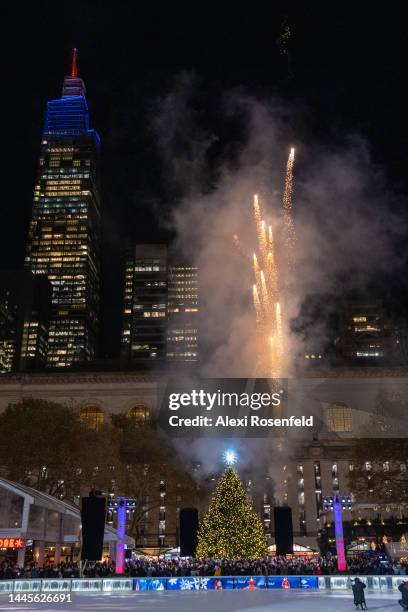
(92, 416)
(339, 418)
(140, 415)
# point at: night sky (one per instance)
(347, 73)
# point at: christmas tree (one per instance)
(230, 529)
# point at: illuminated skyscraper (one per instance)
(182, 313)
(365, 334)
(24, 320)
(160, 307)
(145, 305)
(63, 241)
(7, 338)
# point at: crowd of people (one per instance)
(11, 571)
(148, 567)
(272, 566)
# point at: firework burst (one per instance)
(270, 284)
(266, 304)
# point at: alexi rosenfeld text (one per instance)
(210, 401)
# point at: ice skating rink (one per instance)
(216, 601)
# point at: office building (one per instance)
(145, 305)
(64, 234)
(182, 313)
(25, 302)
(160, 308)
(365, 335)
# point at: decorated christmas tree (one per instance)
(230, 529)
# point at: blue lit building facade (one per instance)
(64, 234)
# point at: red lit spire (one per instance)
(73, 85)
(74, 70)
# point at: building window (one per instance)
(339, 418)
(92, 416)
(301, 500)
(318, 489)
(140, 415)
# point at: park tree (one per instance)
(231, 529)
(46, 445)
(152, 472)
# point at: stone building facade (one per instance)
(345, 404)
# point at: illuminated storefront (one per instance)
(298, 551)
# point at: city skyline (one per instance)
(139, 192)
(67, 206)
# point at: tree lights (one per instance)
(231, 529)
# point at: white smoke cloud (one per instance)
(344, 221)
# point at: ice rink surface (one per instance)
(216, 601)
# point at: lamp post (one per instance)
(121, 506)
(337, 503)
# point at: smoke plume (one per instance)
(344, 216)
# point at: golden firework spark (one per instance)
(270, 284)
(259, 223)
(257, 271)
(279, 331)
(289, 227)
(257, 304)
(266, 296)
(263, 241)
(270, 238)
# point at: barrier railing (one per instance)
(117, 584)
(87, 584)
(182, 583)
(32, 586)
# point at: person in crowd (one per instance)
(403, 588)
(358, 592)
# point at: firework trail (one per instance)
(269, 282)
(257, 305)
(266, 296)
(289, 227)
(257, 272)
(259, 222)
(279, 331)
(271, 269)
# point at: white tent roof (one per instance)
(38, 498)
